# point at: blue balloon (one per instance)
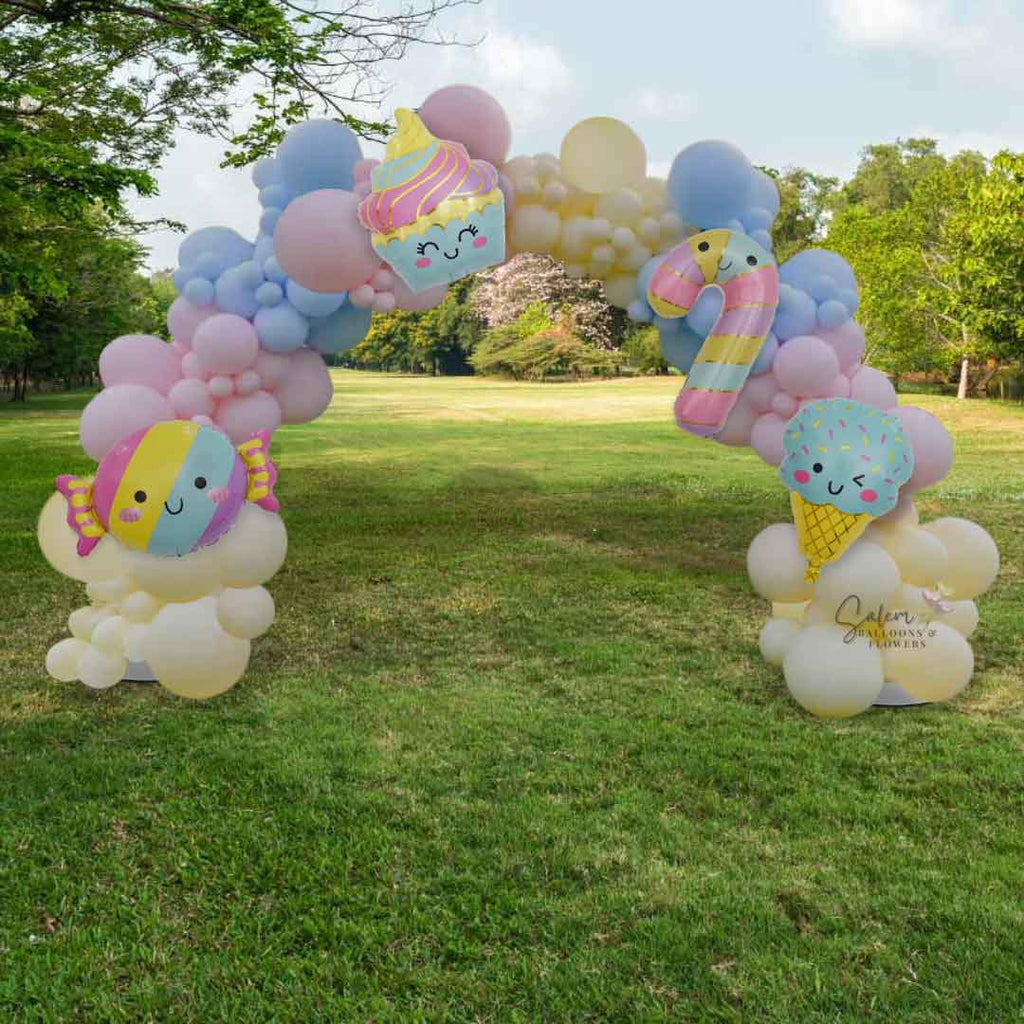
(264, 249)
(227, 246)
(802, 270)
(181, 278)
(797, 313)
(766, 193)
(199, 291)
(680, 347)
(757, 219)
(275, 195)
(639, 311)
(235, 294)
(318, 154)
(850, 299)
(249, 274)
(312, 303)
(832, 313)
(822, 287)
(340, 331)
(265, 172)
(210, 266)
(272, 271)
(705, 311)
(268, 220)
(712, 183)
(763, 239)
(281, 328)
(766, 356)
(269, 293)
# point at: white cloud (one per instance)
(915, 24)
(657, 103)
(986, 143)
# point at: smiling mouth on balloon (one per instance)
(840, 491)
(181, 505)
(448, 256)
(724, 268)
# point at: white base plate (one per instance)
(894, 696)
(138, 672)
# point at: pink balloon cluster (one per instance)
(214, 372)
(828, 365)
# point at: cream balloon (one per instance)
(776, 637)
(254, 549)
(189, 652)
(63, 657)
(973, 556)
(535, 229)
(602, 154)
(919, 554)
(109, 635)
(139, 606)
(936, 667)
(963, 618)
(58, 543)
(792, 611)
(100, 670)
(776, 566)
(179, 579)
(862, 579)
(247, 612)
(83, 621)
(830, 677)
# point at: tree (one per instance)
(804, 199)
(887, 175)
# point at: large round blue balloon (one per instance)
(313, 303)
(712, 183)
(806, 269)
(318, 154)
(281, 328)
(225, 246)
(339, 331)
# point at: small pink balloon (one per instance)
(840, 387)
(467, 114)
(204, 421)
(272, 368)
(307, 391)
(118, 412)
(361, 189)
(738, 424)
(176, 346)
(383, 302)
(190, 366)
(784, 405)
(362, 168)
(418, 301)
(933, 447)
(320, 243)
(225, 343)
(872, 387)
(847, 342)
(183, 318)
(766, 437)
(140, 359)
(191, 398)
(221, 386)
(760, 392)
(805, 366)
(248, 382)
(383, 280)
(362, 297)
(242, 415)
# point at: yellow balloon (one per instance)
(603, 154)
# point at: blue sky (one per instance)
(791, 82)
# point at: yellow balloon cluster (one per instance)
(595, 210)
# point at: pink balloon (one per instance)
(466, 114)
(307, 391)
(933, 447)
(190, 365)
(383, 280)
(806, 366)
(247, 382)
(840, 386)
(847, 341)
(320, 242)
(118, 412)
(766, 437)
(272, 368)
(760, 392)
(361, 189)
(362, 297)
(872, 387)
(191, 397)
(225, 343)
(221, 386)
(784, 405)
(418, 301)
(140, 359)
(738, 424)
(383, 302)
(183, 318)
(242, 415)
(362, 168)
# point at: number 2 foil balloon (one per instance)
(844, 464)
(436, 215)
(170, 489)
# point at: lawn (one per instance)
(509, 752)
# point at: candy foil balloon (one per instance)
(435, 214)
(748, 278)
(844, 464)
(170, 489)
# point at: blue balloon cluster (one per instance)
(217, 266)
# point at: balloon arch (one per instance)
(178, 529)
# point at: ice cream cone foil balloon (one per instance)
(844, 464)
(435, 214)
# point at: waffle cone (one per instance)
(824, 532)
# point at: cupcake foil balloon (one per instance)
(435, 214)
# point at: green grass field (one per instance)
(509, 752)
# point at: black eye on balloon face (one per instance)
(200, 482)
(140, 496)
(752, 260)
(704, 246)
(817, 467)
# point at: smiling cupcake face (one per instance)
(847, 454)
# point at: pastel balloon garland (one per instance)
(772, 354)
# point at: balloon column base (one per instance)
(893, 695)
(138, 672)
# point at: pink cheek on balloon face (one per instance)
(801, 476)
(423, 263)
(868, 495)
(479, 242)
(129, 515)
